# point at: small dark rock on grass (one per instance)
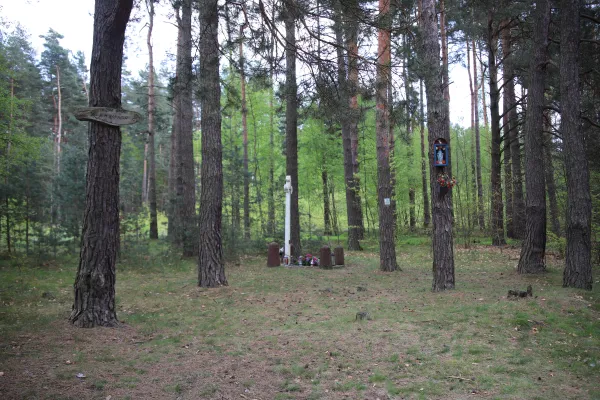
(520, 293)
(362, 315)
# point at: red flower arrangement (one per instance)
(445, 181)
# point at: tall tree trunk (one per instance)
(271, 225)
(473, 90)
(439, 128)
(185, 186)
(506, 104)
(145, 176)
(8, 148)
(482, 85)
(245, 135)
(352, 26)
(497, 227)
(513, 138)
(59, 132)
(480, 209)
(151, 107)
(27, 214)
(578, 266)
(409, 141)
(291, 119)
(387, 236)
(508, 196)
(426, 213)
(444, 39)
(94, 303)
(534, 246)
(326, 207)
(172, 219)
(550, 184)
(344, 116)
(174, 223)
(211, 267)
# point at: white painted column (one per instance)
(288, 217)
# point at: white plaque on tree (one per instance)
(108, 116)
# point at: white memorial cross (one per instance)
(287, 188)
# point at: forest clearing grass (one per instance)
(293, 333)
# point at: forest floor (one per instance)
(293, 333)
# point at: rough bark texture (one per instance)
(344, 111)
(550, 183)
(244, 137)
(211, 267)
(472, 85)
(409, 142)
(185, 176)
(518, 201)
(578, 267)
(94, 303)
(480, 210)
(387, 249)
(172, 224)
(533, 252)
(438, 125)
(271, 225)
(151, 144)
(506, 77)
(497, 225)
(444, 40)
(354, 112)
(426, 213)
(291, 119)
(326, 206)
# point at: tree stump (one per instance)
(273, 259)
(326, 257)
(339, 255)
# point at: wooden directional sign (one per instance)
(108, 116)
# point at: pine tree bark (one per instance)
(291, 119)
(578, 266)
(473, 91)
(387, 236)
(533, 252)
(497, 225)
(518, 202)
(94, 303)
(271, 225)
(409, 142)
(550, 183)
(444, 40)
(172, 211)
(480, 209)
(151, 144)
(344, 114)
(326, 206)
(439, 128)
(59, 129)
(244, 135)
(185, 187)
(426, 213)
(506, 77)
(351, 30)
(211, 266)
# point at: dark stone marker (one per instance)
(273, 255)
(339, 255)
(326, 257)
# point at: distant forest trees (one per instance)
(347, 97)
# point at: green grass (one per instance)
(289, 333)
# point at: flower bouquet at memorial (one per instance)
(310, 260)
(444, 180)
